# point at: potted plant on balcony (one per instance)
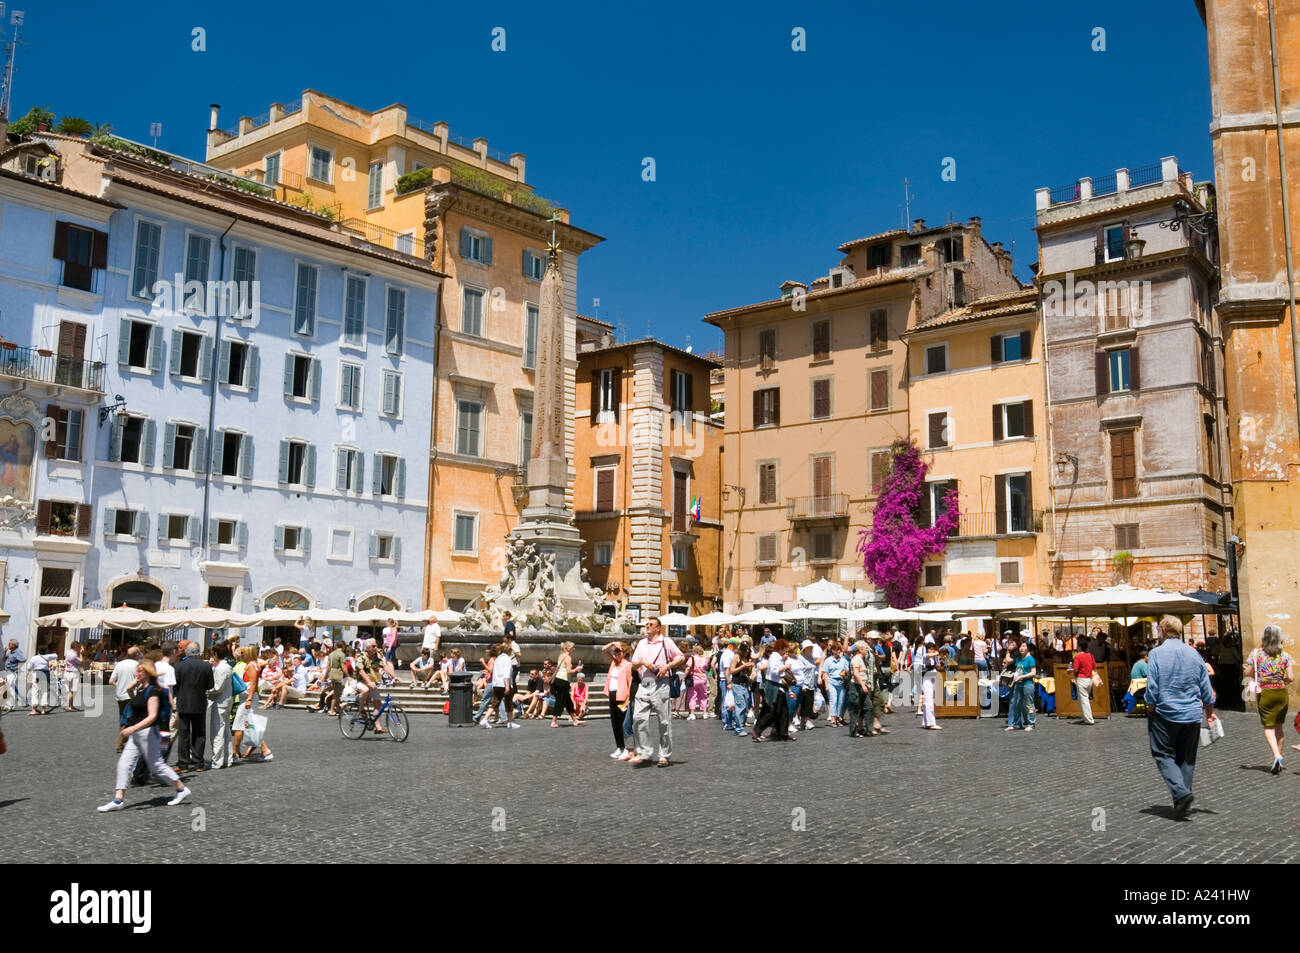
(44, 352)
(1123, 563)
(9, 345)
(62, 524)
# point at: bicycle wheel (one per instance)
(352, 723)
(399, 726)
(8, 697)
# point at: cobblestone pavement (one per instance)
(972, 792)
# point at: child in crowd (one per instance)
(580, 696)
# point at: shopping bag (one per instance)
(729, 701)
(255, 733)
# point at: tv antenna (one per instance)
(16, 19)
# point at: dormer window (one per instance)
(879, 256)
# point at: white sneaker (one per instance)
(809, 726)
(511, 725)
(691, 716)
(181, 795)
(113, 805)
(617, 754)
(794, 730)
(485, 723)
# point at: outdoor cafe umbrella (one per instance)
(760, 617)
(1123, 600)
(817, 614)
(678, 618)
(992, 604)
(713, 618)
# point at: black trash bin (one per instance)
(460, 709)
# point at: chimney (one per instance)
(918, 224)
(212, 122)
(973, 226)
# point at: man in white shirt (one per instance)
(123, 676)
(929, 637)
(805, 673)
(725, 658)
(432, 637)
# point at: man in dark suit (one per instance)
(193, 680)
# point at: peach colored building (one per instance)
(976, 409)
(393, 180)
(816, 382)
(646, 451)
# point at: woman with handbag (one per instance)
(777, 677)
(148, 709)
(1271, 670)
(243, 714)
(560, 687)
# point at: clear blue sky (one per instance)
(767, 159)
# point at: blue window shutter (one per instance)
(246, 456)
(115, 441)
(223, 363)
(389, 404)
(528, 263)
(192, 529)
(279, 538)
(169, 444)
(252, 368)
(141, 524)
(124, 341)
(218, 451)
(284, 461)
(162, 527)
(288, 375)
(110, 521)
(396, 550)
(310, 481)
(315, 378)
(304, 540)
(340, 469)
(487, 251)
(360, 464)
(146, 451)
(205, 358)
(376, 474)
(243, 534)
(374, 545)
(155, 348)
(175, 361)
(401, 480)
(464, 242)
(199, 454)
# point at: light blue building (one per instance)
(267, 383)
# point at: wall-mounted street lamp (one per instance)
(1133, 246)
(1202, 223)
(118, 406)
(1064, 460)
(728, 487)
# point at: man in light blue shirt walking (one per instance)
(1178, 694)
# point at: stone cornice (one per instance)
(441, 196)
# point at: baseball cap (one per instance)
(807, 644)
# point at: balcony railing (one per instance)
(833, 507)
(988, 524)
(378, 235)
(27, 363)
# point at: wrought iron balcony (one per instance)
(1000, 524)
(33, 364)
(818, 508)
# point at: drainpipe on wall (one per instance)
(212, 396)
(1286, 207)
(1051, 440)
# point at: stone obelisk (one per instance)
(547, 521)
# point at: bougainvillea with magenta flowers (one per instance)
(895, 548)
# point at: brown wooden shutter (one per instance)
(821, 399)
(690, 393)
(995, 349)
(997, 421)
(1024, 345)
(84, 512)
(43, 510)
(595, 394)
(878, 459)
(679, 502)
(767, 483)
(758, 408)
(776, 406)
(604, 490)
(1103, 374)
(99, 250)
(1123, 465)
(1029, 418)
(923, 518)
(1000, 491)
(937, 428)
(822, 477)
(879, 330)
(1134, 369)
(61, 241)
(880, 390)
(53, 411)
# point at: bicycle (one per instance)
(353, 722)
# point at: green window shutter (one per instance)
(279, 538)
(110, 521)
(310, 465)
(146, 451)
(199, 454)
(115, 441)
(376, 474)
(141, 527)
(315, 378)
(174, 364)
(162, 527)
(401, 480)
(464, 242)
(304, 540)
(243, 534)
(487, 251)
(374, 545)
(193, 528)
(528, 263)
(397, 548)
(223, 363)
(169, 444)
(124, 341)
(288, 375)
(205, 358)
(340, 469)
(246, 456)
(284, 461)
(252, 368)
(218, 451)
(359, 477)
(155, 348)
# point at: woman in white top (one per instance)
(776, 712)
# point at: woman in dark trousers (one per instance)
(777, 712)
(618, 685)
(564, 667)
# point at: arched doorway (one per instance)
(284, 599)
(377, 601)
(135, 594)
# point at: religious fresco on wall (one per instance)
(17, 458)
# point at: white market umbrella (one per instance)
(678, 618)
(760, 617)
(713, 618)
(1131, 601)
(817, 614)
(992, 603)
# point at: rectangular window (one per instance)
(1013, 420)
(821, 341)
(879, 390)
(469, 416)
(272, 165)
(879, 466)
(322, 162)
(466, 532)
(681, 501)
(395, 324)
(525, 438)
(133, 434)
(823, 483)
(1113, 236)
(302, 370)
(608, 393)
(936, 359)
(347, 470)
(304, 300)
(767, 487)
(292, 539)
(124, 522)
(384, 546)
(144, 269)
(823, 548)
(354, 312)
(350, 386)
(534, 266)
(187, 348)
(1017, 503)
(232, 444)
(1123, 464)
(392, 406)
(1120, 370)
(767, 407)
(375, 186)
(475, 246)
(604, 554)
(405, 243)
(909, 255)
(531, 315)
(683, 392)
(471, 315)
(198, 253)
(387, 469)
(958, 288)
(183, 446)
(605, 481)
(681, 558)
(879, 330)
(1127, 537)
(178, 528)
(1009, 347)
(878, 256)
(937, 430)
(226, 532)
(297, 463)
(950, 249)
(767, 348)
(67, 434)
(1009, 573)
(821, 399)
(238, 364)
(340, 544)
(243, 273)
(139, 345)
(934, 576)
(78, 256)
(767, 549)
